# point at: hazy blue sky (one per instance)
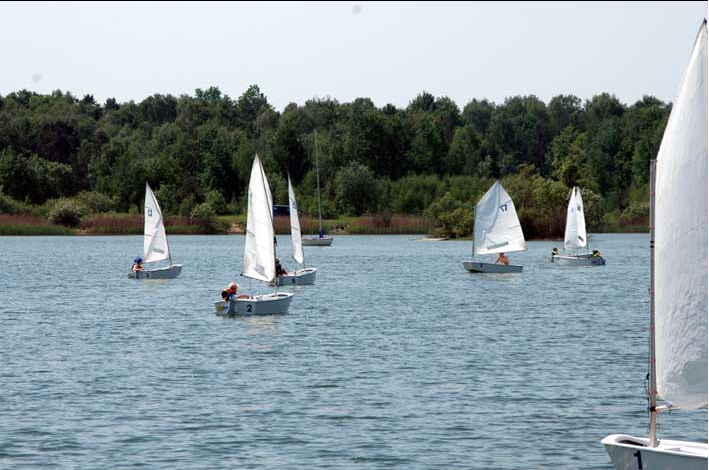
(386, 51)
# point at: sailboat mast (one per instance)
(317, 175)
(652, 386)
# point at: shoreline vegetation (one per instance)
(129, 224)
(72, 165)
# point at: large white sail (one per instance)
(575, 233)
(259, 250)
(497, 228)
(681, 242)
(298, 255)
(154, 239)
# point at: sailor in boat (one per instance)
(137, 264)
(280, 270)
(230, 292)
(555, 251)
(596, 254)
(502, 259)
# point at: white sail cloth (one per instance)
(575, 233)
(497, 228)
(681, 242)
(298, 254)
(155, 246)
(259, 249)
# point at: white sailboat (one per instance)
(155, 246)
(678, 279)
(497, 230)
(575, 237)
(259, 252)
(303, 276)
(321, 239)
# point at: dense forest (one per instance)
(430, 159)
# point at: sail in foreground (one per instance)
(678, 321)
(155, 246)
(496, 230)
(681, 243)
(259, 249)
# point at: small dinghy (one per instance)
(155, 246)
(321, 239)
(259, 253)
(575, 237)
(678, 282)
(304, 276)
(497, 230)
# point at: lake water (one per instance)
(396, 358)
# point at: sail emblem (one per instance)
(150, 212)
(503, 207)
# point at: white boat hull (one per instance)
(491, 268)
(578, 260)
(169, 272)
(268, 304)
(302, 277)
(317, 241)
(632, 453)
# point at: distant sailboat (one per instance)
(575, 237)
(678, 279)
(303, 276)
(321, 239)
(497, 230)
(155, 246)
(259, 252)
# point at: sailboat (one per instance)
(497, 230)
(575, 236)
(321, 239)
(155, 246)
(259, 253)
(678, 279)
(303, 276)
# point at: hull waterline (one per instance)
(169, 272)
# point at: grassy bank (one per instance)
(130, 224)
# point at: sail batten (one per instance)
(259, 249)
(575, 233)
(681, 242)
(298, 254)
(497, 228)
(155, 247)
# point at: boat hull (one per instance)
(578, 260)
(317, 241)
(301, 277)
(169, 272)
(268, 304)
(632, 453)
(491, 268)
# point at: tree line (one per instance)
(430, 158)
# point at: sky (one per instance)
(386, 51)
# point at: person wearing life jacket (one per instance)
(137, 264)
(502, 259)
(555, 251)
(596, 254)
(230, 292)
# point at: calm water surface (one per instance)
(397, 358)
